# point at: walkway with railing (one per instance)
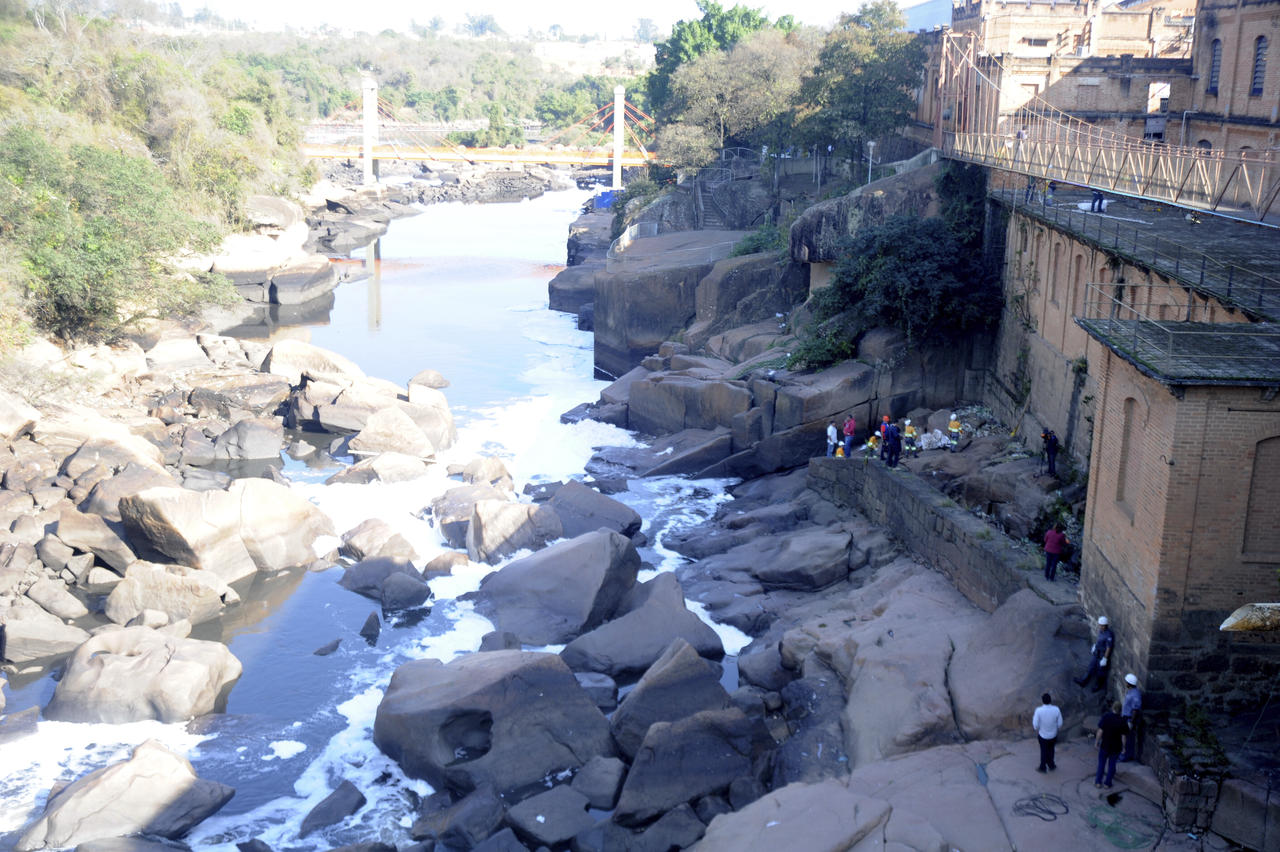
(1150, 238)
(985, 124)
(1189, 352)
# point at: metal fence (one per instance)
(1233, 285)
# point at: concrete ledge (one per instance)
(983, 563)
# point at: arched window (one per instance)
(1259, 65)
(1261, 532)
(1215, 66)
(1127, 470)
(1204, 145)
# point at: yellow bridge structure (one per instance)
(980, 121)
(379, 136)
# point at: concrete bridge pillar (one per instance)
(369, 91)
(619, 116)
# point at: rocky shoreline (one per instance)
(870, 684)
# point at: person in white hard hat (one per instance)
(1101, 656)
(1131, 710)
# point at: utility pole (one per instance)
(369, 91)
(871, 158)
(619, 116)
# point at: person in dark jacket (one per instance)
(893, 439)
(1110, 742)
(1101, 656)
(1051, 451)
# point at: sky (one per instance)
(516, 17)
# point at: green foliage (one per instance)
(717, 29)
(635, 196)
(94, 228)
(962, 193)
(911, 274)
(862, 86)
(764, 238)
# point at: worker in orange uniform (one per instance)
(953, 432)
(872, 446)
(909, 437)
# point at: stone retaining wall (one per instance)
(982, 563)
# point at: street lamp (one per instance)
(871, 155)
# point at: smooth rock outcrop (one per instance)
(692, 757)
(293, 359)
(453, 509)
(385, 467)
(629, 644)
(254, 525)
(136, 673)
(504, 718)
(390, 430)
(32, 633)
(155, 791)
(583, 509)
(554, 595)
(176, 590)
(499, 528)
(677, 685)
(250, 438)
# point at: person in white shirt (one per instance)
(832, 438)
(1047, 720)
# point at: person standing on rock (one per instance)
(1051, 451)
(884, 438)
(1101, 652)
(893, 442)
(832, 438)
(1110, 742)
(1047, 721)
(1054, 542)
(910, 439)
(1131, 712)
(953, 431)
(850, 426)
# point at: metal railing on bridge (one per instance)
(1190, 350)
(1232, 285)
(982, 123)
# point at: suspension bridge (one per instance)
(978, 120)
(380, 136)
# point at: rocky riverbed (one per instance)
(874, 707)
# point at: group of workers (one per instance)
(888, 440)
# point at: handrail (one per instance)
(1234, 286)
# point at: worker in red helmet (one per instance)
(884, 438)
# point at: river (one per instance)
(460, 289)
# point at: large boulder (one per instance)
(823, 396)
(104, 498)
(301, 281)
(155, 791)
(499, 528)
(176, 590)
(805, 561)
(368, 576)
(16, 417)
(136, 673)
(507, 719)
(429, 409)
(250, 438)
(33, 633)
(92, 534)
(384, 467)
(224, 395)
(683, 760)
(677, 685)
(551, 818)
(375, 537)
(293, 359)
(665, 403)
(630, 644)
(554, 595)
(390, 430)
(452, 510)
(583, 509)
(254, 525)
(1020, 653)
(52, 596)
(807, 816)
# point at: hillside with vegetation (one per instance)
(127, 145)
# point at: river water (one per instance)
(460, 289)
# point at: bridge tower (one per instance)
(619, 116)
(369, 91)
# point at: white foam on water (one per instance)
(65, 751)
(284, 749)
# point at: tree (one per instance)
(735, 94)
(862, 85)
(481, 25)
(95, 232)
(646, 31)
(915, 275)
(717, 29)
